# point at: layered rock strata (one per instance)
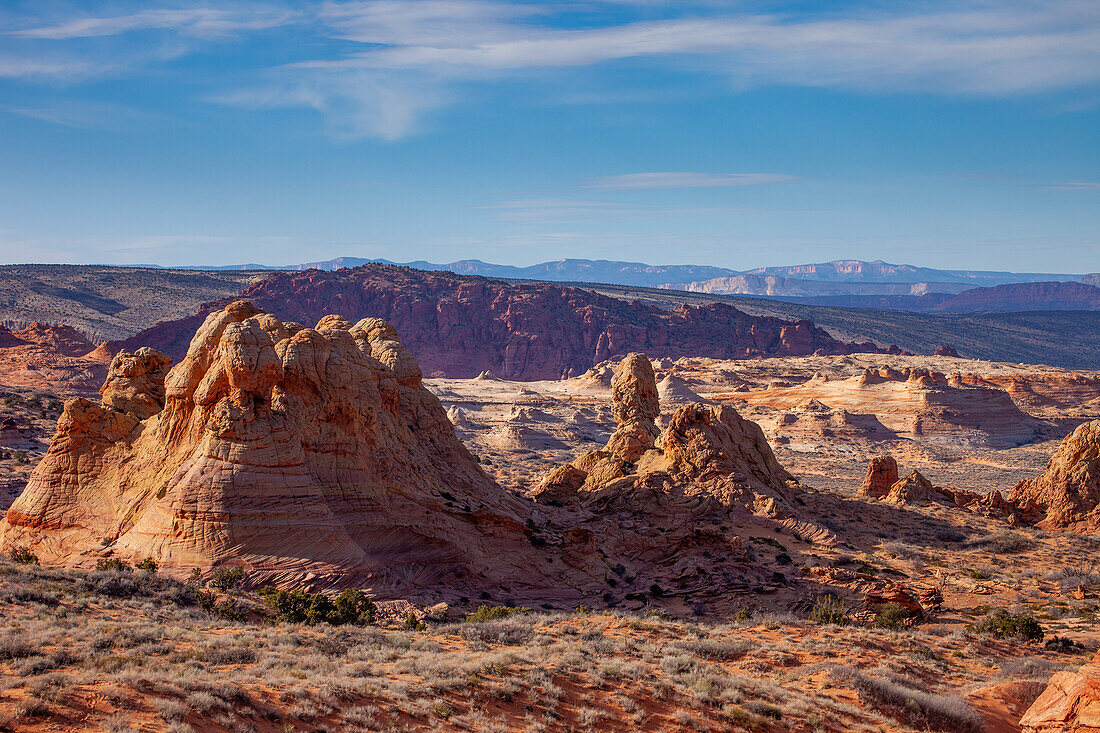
(705, 451)
(1067, 495)
(288, 450)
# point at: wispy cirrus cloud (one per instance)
(1074, 186)
(674, 179)
(974, 48)
(83, 115)
(198, 22)
(381, 68)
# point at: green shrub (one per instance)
(113, 564)
(1004, 625)
(828, 609)
(226, 578)
(353, 606)
(230, 610)
(892, 616)
(493, 613)
(412, 623)
(149, 565)
(297, 606)
(23, 556)
(206, 600)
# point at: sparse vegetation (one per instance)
(828, 609)
(493, 613)
(23, 556)
(1004, 625)
(352, 606)
(912, 706)
(112, 565)
(892, 616)
(226, 578)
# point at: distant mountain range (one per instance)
(843, 283)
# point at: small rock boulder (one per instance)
(913, 489)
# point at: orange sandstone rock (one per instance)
(1070, 703)
(882, 473)
(1067, 494)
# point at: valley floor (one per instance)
(130, 651)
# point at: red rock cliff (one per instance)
(460, 325)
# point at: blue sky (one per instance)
(739, 134)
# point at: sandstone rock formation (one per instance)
(51, 357)
(705, 450)
(1067, 495)
(1070, 703)
(522, 330)
(916, 403)
(316, 457)
(312, 452)
(636, 406)
(914, 489)
(882, 473)
(135, 382)
(675, 390)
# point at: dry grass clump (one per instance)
(123, 650)
(911, 706)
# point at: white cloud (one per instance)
(982, 49)
(83, 115)
(978, 48)
(197, 22)
(1075, 186)
(671, 179)
(354, 105)
(380, 68)
(26, 67)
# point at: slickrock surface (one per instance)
(676, 390)
(1070, 703)
(882, 473)
(1067, 494)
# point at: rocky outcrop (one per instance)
(297, 452)
(914, 489)
(316, 457)
(1033, 296)
(635, 406)
(882, 473)
(135, 382)
(917, 403)
(461, 326)
(706, 451)
(1069, 704)
(948, 351)
(1067, 495)
(56, 358)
